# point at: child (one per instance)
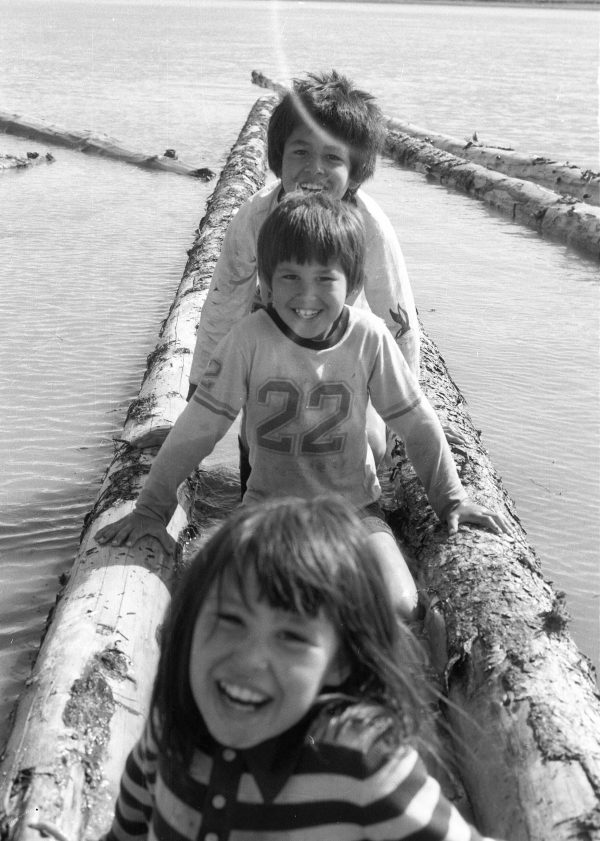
(282, 706)
(304, 370)
(323, 135)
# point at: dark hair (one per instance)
(333, 103)
(307, 555)
(312, 226)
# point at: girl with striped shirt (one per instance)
(284, 705)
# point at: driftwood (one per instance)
(165, 386)
(558, 217)
(564, 178)
(24, 161)
(87, 697)
(86, 141)
(524, 706)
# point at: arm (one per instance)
(203, 422)
(410, 415)
(234, 279)
(135, 802)
(420, 804)
(387, 288)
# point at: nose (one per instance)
(252, 653)
(307, 287)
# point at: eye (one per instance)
(294, 637)
(230, 619)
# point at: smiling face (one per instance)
(315, 160)
(256, 670)
(309, 297)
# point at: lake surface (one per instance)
(91, 251)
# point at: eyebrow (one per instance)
(329, 147)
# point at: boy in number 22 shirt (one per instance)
(304, 370)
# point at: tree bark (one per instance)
(564, 178)
(165, 386)
(523, 707)
(88, 694)
(24, 161)
(574, 223)
(86, 141)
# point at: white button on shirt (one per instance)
(218, 801)
(228, 755)
(211, 836)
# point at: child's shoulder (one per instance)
(368, 730)
(262, 202)
(372, 213)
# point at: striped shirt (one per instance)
(329, 783)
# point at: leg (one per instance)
(400, 582)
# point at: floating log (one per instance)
(165, 386)
(571, 222)
(561, 218)
(524, 706)
(564, 178)
(88, 694)
(86, 141)
(24, 161)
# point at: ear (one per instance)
(338, 671)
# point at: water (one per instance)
(91, 251)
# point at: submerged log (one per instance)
(88, 694)
(24, 161)
(523, 706)
(86, 141)
(564, 178)
(165, 386)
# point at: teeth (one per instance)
(306, 313)
(311, 187)
(242, 694)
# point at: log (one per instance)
(523, 705)
(574, 223)
(24, 161)
(87, 698)
(564, 178)
(555, 216)
(165, 386)
(86, 141)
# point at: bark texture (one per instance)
(88, 694)
(165, 386)
(557, 217)
(86, 141)
(564, 178)
(24, 161)
(526, 199)
(524, 707)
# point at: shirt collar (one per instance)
(270, 763)
(335, 334)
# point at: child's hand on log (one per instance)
(468, 511)
(133, 527)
